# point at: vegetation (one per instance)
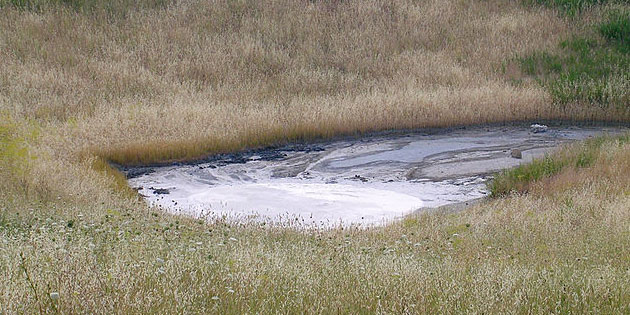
(570, 7)
(590, 70)
(521, 178)
(562, 247)
(112, 8)
(192, 78)
(616, 29)
(83, 83)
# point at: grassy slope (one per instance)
(574, 157)
(187, 79)
(177, 80)
(563, 247)
(591, 69)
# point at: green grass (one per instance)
(117, 179)
(589, 70)
(518, 179)
(521, 178)
(616, 29)
(15, 157)
(568, 7)
(112, 8)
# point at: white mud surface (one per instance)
(366, 181)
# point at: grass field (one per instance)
(84, 83)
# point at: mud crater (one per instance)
(363, 181)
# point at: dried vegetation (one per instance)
(82, 82)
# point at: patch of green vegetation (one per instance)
(616, 29)
(589, 71)
(409, 222)
(568, 7)
(118, 179)
(541, 62)
(519, 179)
(13, 152)
(456, 229)
(111, 7)
(15, 156)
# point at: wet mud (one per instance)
(362, 181)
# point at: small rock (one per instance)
(516, 153)
(361, 178)
(536, 128)
(160, 191)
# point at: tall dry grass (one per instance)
(194, 77)
(563, 248)
(226, 73)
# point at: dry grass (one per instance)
(560, 249)
(191, 78)
(196, 77)
(567, 161)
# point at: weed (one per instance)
(113, 8)
(30, 281)
(521, 178)
(569, 7)
(589, 72)
(617, 29)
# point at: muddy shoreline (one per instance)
(275, 152)
(355, 180)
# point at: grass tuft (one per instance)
(523, 177)
(112, 8)
(589, 71)
(117, 179)
(569, 7)
(616, 29)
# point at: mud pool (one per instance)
(354, 181)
